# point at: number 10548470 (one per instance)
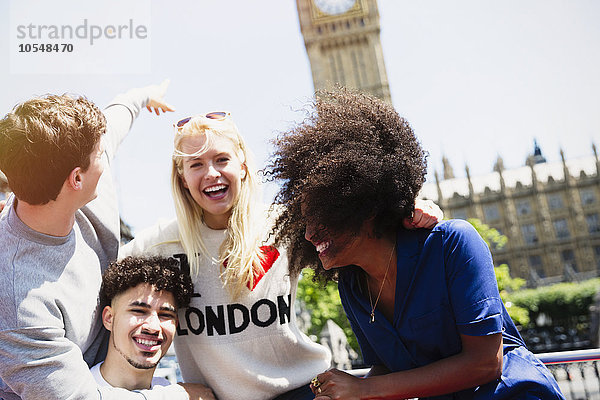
(45, 48)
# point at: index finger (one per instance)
(166, 107)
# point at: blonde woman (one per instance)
(239, 334)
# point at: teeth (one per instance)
(321, 247)
(215, 188)
(145, 342)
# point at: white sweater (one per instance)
(249, 348)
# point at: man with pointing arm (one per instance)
(58, 232)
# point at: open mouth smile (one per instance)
(148, 345)
(322, 246)
(216, 192)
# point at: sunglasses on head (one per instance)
(216, 115)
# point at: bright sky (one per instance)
(475, 78)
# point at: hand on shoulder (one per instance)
(426, 215)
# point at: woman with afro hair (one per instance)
(424, 304)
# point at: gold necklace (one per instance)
(372, 320)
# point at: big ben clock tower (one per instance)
(343, 45)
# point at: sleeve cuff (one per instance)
(482, 318)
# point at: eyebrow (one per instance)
(200, 156)
(191, 159)
(146, 305)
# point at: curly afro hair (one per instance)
(352, 159)
(162, 273)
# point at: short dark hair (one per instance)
(160, 272)
(43, 139)
(352, 159)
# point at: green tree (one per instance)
(567, 302)
(506, 284)
(494, 239)
(323, 303)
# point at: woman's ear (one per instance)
(183, 182)
(244, 171)
(107, 318)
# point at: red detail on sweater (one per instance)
(270, 255)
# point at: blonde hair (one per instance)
(240, 254)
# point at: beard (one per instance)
(133, 363)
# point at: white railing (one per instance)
(577, 372)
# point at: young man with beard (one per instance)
(140, 298)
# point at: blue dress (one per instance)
(445, 286)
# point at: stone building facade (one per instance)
(549, 211)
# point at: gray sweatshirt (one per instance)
(50, 327)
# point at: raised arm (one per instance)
(124, 109)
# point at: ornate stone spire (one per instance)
(448, 172)
(499, 168)
(437, 184)
(471, 190)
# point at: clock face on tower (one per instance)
(334, 7)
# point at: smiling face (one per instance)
(214, 177)
(335, 250)
(142, 322)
